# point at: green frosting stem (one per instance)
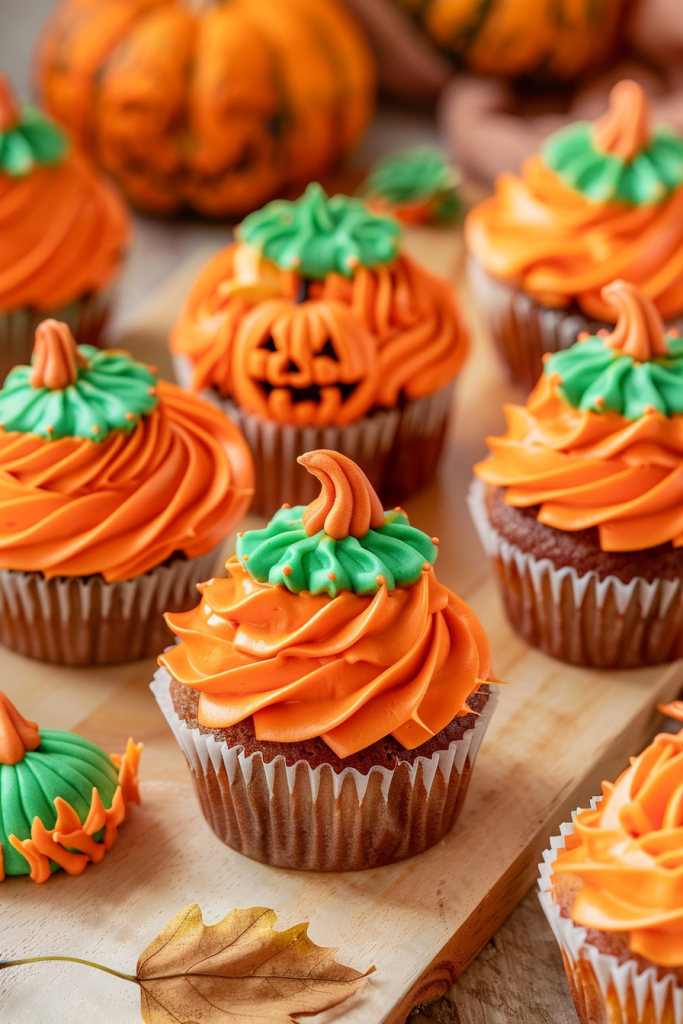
(316, 236)
(283, 553)
(112, 391)
(411, 176)
(32, 141)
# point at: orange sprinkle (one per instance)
(245, 558)
(600, 402)
(286, 505)
(50, 430)
(436, 541)
(287, 571)
(582, 336)
(602, 333)
(241, 533)
(555, 378)
(426, 567)
(545, 357)
(130, 415)
(674, 332)
(331, 575)
(649, 409)
(96, 429)
(380, 580)
(152, 391)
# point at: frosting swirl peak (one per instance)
(347, 503)
(56, 357)
(17, 734)
(639, 330)
(624, 131)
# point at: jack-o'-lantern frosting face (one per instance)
(331, 623)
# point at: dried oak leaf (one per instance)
(239, 971)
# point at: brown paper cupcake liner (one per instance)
(86, 317)
(523, 330)
(583, 619)
(604, 990)
(275, 448)
(418, 444)
(87, 621)
(295, 816)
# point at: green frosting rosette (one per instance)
(341, 541)
(27, 138)
(317, 235)
(410, 177)
(75, 391)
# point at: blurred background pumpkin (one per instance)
(211, 106)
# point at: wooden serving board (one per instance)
(556, 733)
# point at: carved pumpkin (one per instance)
(216, 106)
(550, 39)
(312, 363)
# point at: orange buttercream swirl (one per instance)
(347, 504)
(351, 669)
(624, 131)
(639, 332)
(55, 356)
(17, 734)
(560, 246)
(628, 853)
(411, 314)
(63, 229)
(9, 111)
(178, 482)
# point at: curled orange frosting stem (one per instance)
(624, 131)
(55, 356)
(639, 330)
(347, 504)
(17, 734)
(9, 112)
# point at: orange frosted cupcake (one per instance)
(116, 492)
(601, 201)
(315, 330)
(580, 505)
(63, 231)
(611, 889)
(331, 694)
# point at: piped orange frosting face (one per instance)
(351, 668)
(628, 854)
(586, 465)
(408, 322)
(559, 243)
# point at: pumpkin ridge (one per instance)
(86, 750)
(25, 776)
(59, 782)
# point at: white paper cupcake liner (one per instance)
(584, 618)
(523, 330)
(87, 621)
(86, 317)
(275, 448)
(182, 371)
(604, 990)
(315, 818)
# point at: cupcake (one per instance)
(611, 890)
(63, 798)
(315, 330)
(580, 504)
(417, 186)
(63, 231)
(116, 492)
(601, 201)
(330, 695)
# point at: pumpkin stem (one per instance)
(55, 356)
(347, 504)
(9, 109)
(639, 331)
(17, 734)
(624, 131)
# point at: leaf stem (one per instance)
(70, 959)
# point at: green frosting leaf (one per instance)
(64, 765)
(606, 380)
(112, 393)
(32, 142)
(317, 236)
(648, 178)
(422, 173)
(396, 551)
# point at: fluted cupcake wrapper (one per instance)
(87, 621)
(523, 330)
(418, 444)
(86, 317)
(604, 990)
(295, 816)
(583, 618)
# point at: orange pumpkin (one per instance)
(215, 106)
(311, 363)
(549, 39)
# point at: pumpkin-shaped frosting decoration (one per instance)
(63, 798)
(309, 363)
(215, 106)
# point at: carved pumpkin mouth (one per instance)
(308, 405)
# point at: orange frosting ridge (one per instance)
(348, 504)
(17, 734)
(350, 669)
(63, 229)
(412, 314)
(628, 853)
(55, 356)
(639, 332)
(558, 245)
(178, 482)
